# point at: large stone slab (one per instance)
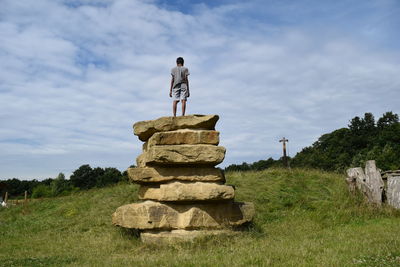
(374, 182)
(178, 191)
(366, 184)
(356, 179)
(165, 174)
(175, 236)
(182, 155)
(185, 136)
(393, 191)
(145, 129)
(153, 215)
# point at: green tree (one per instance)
(388, 119)
(109, 176)
(42, 190)
(17, 188)
(60, 185)
(83, 177)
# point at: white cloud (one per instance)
(74, 79)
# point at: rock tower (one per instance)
(184, 195)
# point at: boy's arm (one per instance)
(187, 83)
(170, 89)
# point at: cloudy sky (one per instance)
(76, 74)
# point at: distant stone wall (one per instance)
(376, 186)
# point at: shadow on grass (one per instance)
(39, 261)
(129, 233)
(254, 230)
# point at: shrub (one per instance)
(42, 191)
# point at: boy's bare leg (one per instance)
(174, 104)
(183, 107)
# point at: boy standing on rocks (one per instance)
(179, 89)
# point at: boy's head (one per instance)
(179, 61)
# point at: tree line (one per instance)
(363, 139)
(83, 178)
(256, 166)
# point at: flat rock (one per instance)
(145, 129)
(185, 136)
(163, 174)
(175, 236)
(393, 191)
(153, 215)
(178, 191)
(182, 155)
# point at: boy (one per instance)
(179, 85)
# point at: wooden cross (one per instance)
(285, 161)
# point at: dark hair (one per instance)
(179, 60)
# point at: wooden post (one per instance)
(25, 209)
(6, 197)
(285, 161)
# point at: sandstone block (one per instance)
(178, 191)
(174, 236)
(165, 174)
(182, 155)
(145, 129)
(153, 215)
(393, 191)
(185, 136)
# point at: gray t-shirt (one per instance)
(180, 74)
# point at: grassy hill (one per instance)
(304, 218)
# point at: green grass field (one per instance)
(303, 218)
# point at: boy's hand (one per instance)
(170, 93)
(188, 93)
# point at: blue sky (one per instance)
(75, 75)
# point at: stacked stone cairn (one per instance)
(183, 194)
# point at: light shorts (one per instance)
(179, 92)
